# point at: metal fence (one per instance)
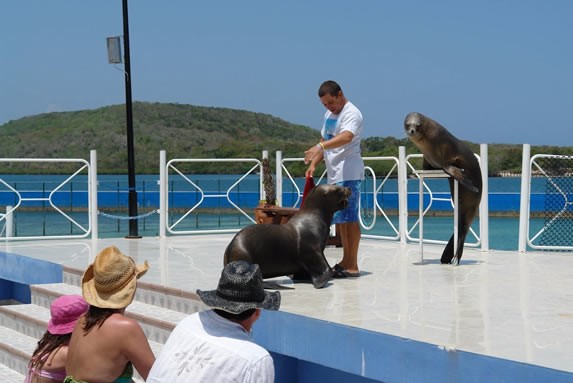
(181, 201)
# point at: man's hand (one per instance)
(310, 171)
(311, 153)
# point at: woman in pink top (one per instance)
(48, 363)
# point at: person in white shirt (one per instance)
(215, 345)
(339, 146)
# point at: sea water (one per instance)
(112, 222)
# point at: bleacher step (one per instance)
(157, 322)
(29, 319)
(16, 349)
(8, 375)
(150, 293)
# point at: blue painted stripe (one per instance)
(387, 358)
(26, 270)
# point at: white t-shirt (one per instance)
(343, 163)
(205, 347)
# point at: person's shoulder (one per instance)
(351, 108)
(351, 114)
(192, 319)
(121, 323)
(58, 358)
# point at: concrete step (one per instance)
(8, 375)
(157, 322)
(150, 293)
(28, 319)
(16, 349)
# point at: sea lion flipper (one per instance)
(267, 285)
(457, 174)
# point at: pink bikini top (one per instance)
(58, 375)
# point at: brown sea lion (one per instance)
(296, 247)
(441, 150)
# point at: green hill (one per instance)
(184, 131)
(187, 131)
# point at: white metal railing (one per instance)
(526, 238)
(432, 199)
(90, 168)
(84, 167)
(377, 189)
(423, 174)
(282, 168)
(171, 166)
(401, 230)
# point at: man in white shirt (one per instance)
(215, 345)
(339, 146)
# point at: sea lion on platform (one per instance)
(296, 247)
(442, 150)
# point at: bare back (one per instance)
(102, 354)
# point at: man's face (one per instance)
(333, 103)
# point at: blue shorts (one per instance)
(350, 213)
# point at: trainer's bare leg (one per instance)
(350, 238)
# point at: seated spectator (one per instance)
(48, 363)
(106, 344)
(215, 345)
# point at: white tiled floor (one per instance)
(503, 304)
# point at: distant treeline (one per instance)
(188, 131)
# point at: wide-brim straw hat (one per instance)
(240, 288)
(110, 281)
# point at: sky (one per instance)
(491, 71)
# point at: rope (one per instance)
(129, 218)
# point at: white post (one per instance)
(525, 199)
(279, 177)
(402, 195)
(9, 222)
(262, 194)
(421, 214)
(456, 218)
(484, 204)
(162, 194)
(93, 188)
(438, 173)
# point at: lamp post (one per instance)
(132, 193)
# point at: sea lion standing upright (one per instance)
(442, 150)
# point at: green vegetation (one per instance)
(187, 131)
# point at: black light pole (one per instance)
(133, 222)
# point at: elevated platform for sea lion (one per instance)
(497, 317)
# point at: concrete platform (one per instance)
(501, 316)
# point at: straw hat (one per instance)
(240, 288)
(65, 311)
(110, 281)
